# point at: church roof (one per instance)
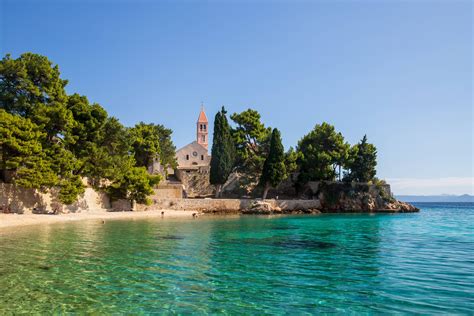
(193, 145)
(202, 116)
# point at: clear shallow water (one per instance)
(408, 263)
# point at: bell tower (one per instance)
(202, 127)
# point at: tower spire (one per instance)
(202, 128)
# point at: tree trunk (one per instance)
(3, 175)
(265, 191)
(78, 171)
(218, 190)
(4, 166)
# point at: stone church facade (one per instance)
(192, 155)
(193, 161)
(196, 154)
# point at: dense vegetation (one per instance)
(51, 139)
(274, 169)
(322, 154)
(252, 143)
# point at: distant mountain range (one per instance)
(436, 198)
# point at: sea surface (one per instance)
(400, 263)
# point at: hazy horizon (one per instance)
(400, 72)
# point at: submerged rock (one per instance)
(305, 244)
(170, 237)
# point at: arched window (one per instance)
(203, 138)
(187, 157)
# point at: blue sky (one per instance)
(398, 71)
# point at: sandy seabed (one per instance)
(12, 220)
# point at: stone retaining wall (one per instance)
(195, 181)
(21, 200)
(166, 191)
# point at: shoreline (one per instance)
(20, 220)
(13, 220)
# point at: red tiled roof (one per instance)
(202, 116)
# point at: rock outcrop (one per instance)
(262, 208)
(268, 207)
(350, 198)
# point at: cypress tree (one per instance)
(362, 161)
(222, 152)
(274, 169)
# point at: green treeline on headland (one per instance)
(259, 157)
(51, 139)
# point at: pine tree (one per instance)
(222, 152)
(135, 185)
(22, 153)
(321, 152)
(252, 143)
(49, 139)
(274, 169)
(145, 144)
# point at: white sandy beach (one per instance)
(14, 220)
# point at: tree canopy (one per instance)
(145, 143)
(361, 162)
(167, 148)
(135, 184)
(21, 152)
(252, 143)
(50, 139)
(152, 142)
(31, 86)
(321, 152)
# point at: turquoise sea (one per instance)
(404, 263)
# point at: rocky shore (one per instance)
(359, 197)
(190, 208)
(268, 208)
(324, 197)
(366, 203)
(345, 206)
